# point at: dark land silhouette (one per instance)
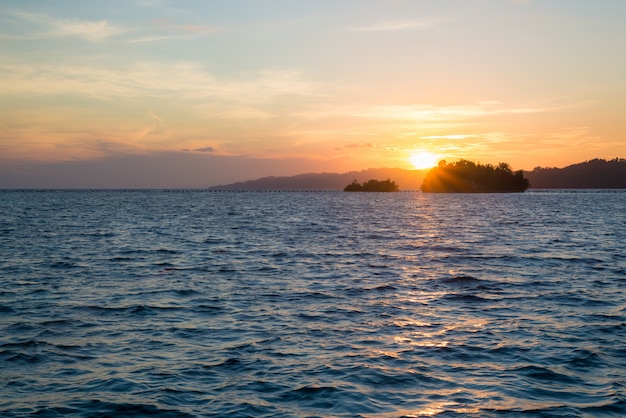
(406, 180)
(465, 176)
(592, 174)
(596, 174)
(372, 186)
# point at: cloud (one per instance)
(178, 81)
(457, 136)
(159, 38)
(164, 30)
(359, 145)
(431, 112)
(65, 110)
(47, 27)
(420, 111)
(399, 25)
(90, 30)
(50, 27)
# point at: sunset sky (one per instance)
(158, 93)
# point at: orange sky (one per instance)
(243, 89)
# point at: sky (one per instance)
(164, 93)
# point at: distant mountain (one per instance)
(406, 180)
(593, 174)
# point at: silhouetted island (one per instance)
(372, 186)
(596, 173)
(409, 179)
(466, 176)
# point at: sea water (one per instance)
(293, 304)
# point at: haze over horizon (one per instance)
(157, 93)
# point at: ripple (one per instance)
(144, 303)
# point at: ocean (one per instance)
(312, 304)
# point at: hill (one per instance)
(592, 174)
(406, 180)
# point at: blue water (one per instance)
(289, 304)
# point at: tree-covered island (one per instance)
(466, 176)
(372, 186)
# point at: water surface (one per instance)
(281, 304)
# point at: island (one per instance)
(593, 174)
(372, 186)
(466, 176)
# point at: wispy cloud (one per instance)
(359, 145)
(154, 106)
(158, 38)
(42, 26)
(399, 25)
(164, 30)
(204, 149)
(453, 137)
(179, 81)
(432, 112)
(50, 27)
(90, 30)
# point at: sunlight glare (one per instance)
(423, 159)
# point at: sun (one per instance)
(423, 159)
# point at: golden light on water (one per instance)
(423, 159)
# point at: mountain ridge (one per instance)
(591, 174)
(407, 179)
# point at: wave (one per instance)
(300, 304)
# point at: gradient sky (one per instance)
(158, 93)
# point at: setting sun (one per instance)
(423, 159)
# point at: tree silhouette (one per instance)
(372, 186)
(466, 176)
